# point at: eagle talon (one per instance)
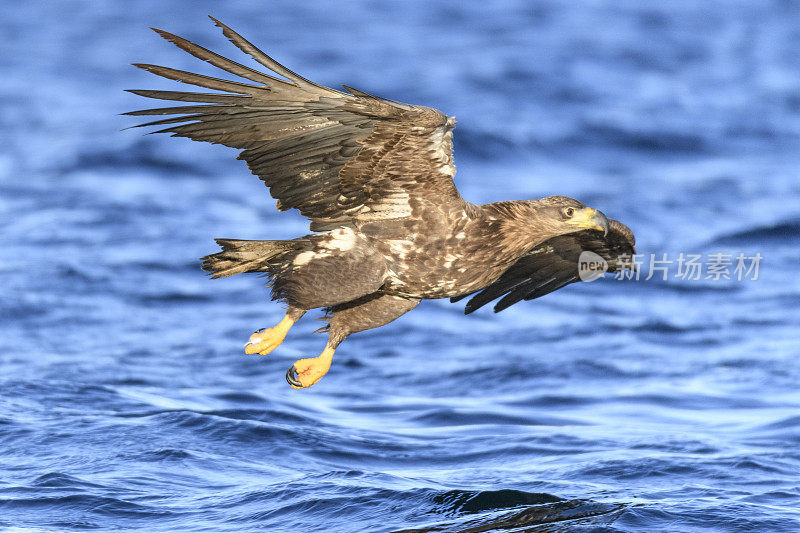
(292, 378)
(265, 340)
(264, 343)
(305, 372)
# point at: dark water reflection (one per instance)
(476, 512)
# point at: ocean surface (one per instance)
(127, 403)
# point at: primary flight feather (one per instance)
(375, 179)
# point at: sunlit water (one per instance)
(126, 401)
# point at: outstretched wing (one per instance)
(554, 264)
(336, 157)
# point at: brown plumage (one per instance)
(375, 178)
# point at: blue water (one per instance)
(126, 401)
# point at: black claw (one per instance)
(291, 377)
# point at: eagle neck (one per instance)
(518, 224)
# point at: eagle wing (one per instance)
(554, 264)
(336, 157)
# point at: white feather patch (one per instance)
(341, 239)
(304, 258)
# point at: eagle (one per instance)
(388, 227)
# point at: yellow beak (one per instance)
(589, 218)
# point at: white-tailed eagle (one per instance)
(375, 178)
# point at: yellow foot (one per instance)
(264, 341)
(306, 372)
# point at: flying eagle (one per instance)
(375, 179)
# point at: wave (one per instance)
(779, 232)
(535, 512)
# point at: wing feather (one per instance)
(217, 60)
(245, 46)
(183, 96)
(336, 157)
(200, 80)
(553, 265)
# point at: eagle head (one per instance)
(560, 215)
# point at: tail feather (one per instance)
(239, 256)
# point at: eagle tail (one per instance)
(239, 256)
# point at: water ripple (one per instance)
(649, 405)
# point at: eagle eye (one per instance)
(569, 211)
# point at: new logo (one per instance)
(591, 266)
